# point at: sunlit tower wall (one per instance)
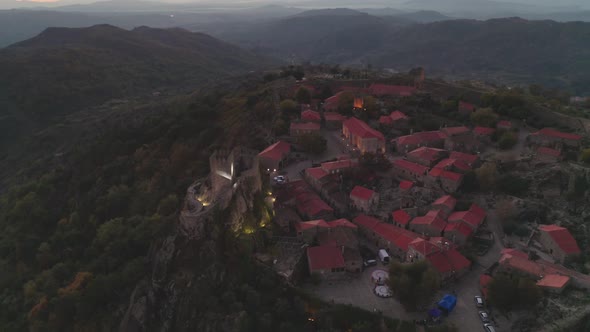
(222, 170)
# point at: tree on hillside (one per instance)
(484, 117)
(325, 92)
(486, 176)
(345, 103)
(289, 107)
(507, 140)
(470, 183)
(512, 185)
(371, 106)
(413, 284)
(168, 205)
(303, 96)
(509, 292)
(296, 71)
(585, 156)
(313, 143)
(507, 214)
(578, 193)
(280, 127)
(505, 210)
(450, 105)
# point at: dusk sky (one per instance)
(393, 3)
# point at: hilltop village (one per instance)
(365, 183)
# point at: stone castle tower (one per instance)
(222, 170)
(226, 166)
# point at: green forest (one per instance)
(76, 233)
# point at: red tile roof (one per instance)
(316, 172)
(385, 120)
(339, 165)
(431, 219)
(540, 267)
(440, 262)
(362, 193)
(333, 116)
(354, 89)
(400, 237)
(422, 137)
(305, 225)
(470, 159)
(277, 151)
(401, 217)
(553, 281)
(310, 126)
(391, 90)
(325, 258)
(473, 217)
(484, 131)
(523, 264)
(366, 221)
(338, 237)
(504, 124)
(447, 200)
(410, 166)
(549, 151)
(466, 106)
(476, 209)
(435, 213)
(405, 185)
(460, 228)
(558, 134)
(424, 247)
(445, 163)
(342, 223)
(332, 102)
(426, 153)
(309, 203)
(562, 237)
(439, 172)
(454, 131)
(397, 115)
(361, 129)
(315, 207)
(457, 260)
(312, 116)
(448, 261)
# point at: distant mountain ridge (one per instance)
(63, 69)
(508, 50)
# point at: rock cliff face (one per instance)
(189, 264)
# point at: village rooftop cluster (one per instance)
(349, 219)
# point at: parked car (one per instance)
(484, 316)
(479, 301)
(369, 262)
(489, 327)
(280, 179)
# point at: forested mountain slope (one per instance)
(63, 69)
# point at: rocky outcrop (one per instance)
(187, 265)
